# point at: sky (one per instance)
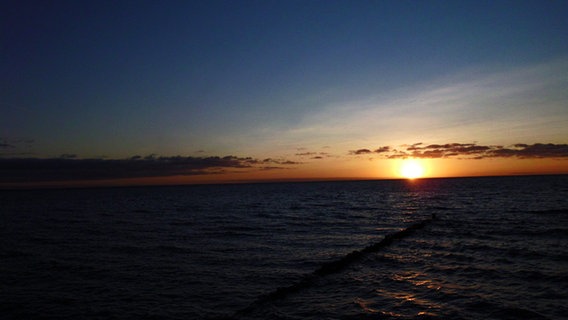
(174, 92)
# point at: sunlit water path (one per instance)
(498, 249)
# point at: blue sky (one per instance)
(115, 79)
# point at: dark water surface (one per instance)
(498, 249)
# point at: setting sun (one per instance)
(412, 169)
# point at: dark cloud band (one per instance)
(470, 151)
(69, 168)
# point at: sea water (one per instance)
(497, 248)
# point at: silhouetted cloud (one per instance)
(537, 150)
(288, 162)
(360, 151)
(273, 161)
(6, 145)
(13, 143)
(470, 151)
(69, 168)
(313, 155)
(414, 146)
(19, 147)
(382, 149)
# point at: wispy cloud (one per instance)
(68, 168)
(15, 147)
(12, 143)
(313, 155)
(518, 104)
(469, 151)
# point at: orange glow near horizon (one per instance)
(334, 169)
(412, 169)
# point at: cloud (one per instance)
(69, 168)
(470, 151)
(537, 150)
(274, 161)
(314, 155)
(382, 149)
(360, 151)
(18, 147)
(498, 105)
(6, 145)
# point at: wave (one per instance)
(517, 313)
(329, 268)
(550, 211)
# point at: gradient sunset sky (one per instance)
(161, 92)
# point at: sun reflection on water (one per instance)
(417, 279)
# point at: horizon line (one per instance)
(262, 181)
